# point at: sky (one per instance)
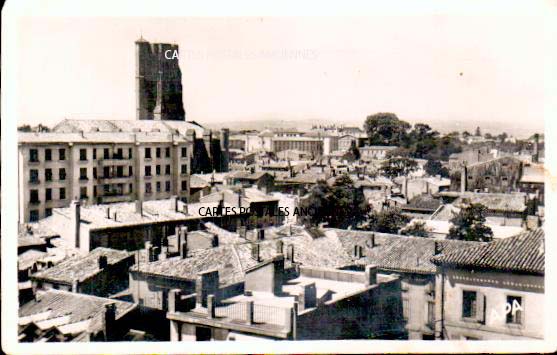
(424, 67)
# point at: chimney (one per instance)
(371, 275)
(103, 261)
(308, 297)
(75, 210)
(174, 200)
(206, 283)
(108, 212)
(261, 234)
(463, 178)
(174, 298)
(437, 249)
(373, 240)
(290, 253)
(215, 241)
(280, 247)
(152, 254)
(109, 321)
(115, 216)
(139, 207)
(255, 252)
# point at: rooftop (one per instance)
(395, 252)
(62, 309)
(534, 173)
(81, 268)
(527, 256)
(513, 202)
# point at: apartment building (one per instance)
(99, 167)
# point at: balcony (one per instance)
(114, 179)
(114, 161)
(34, 181)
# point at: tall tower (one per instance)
(158, 82)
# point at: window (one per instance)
(94, 153)
(48, 154)
(148, 170)
(167, 170)
(167, 186)
(184, 185)
(184, 152)
(131, 188)
(158, 169)
(119, 153)
(184, 169)
(158, 186)
(469, 303)
(48, 212)
(130, 155)
(147, 153)
(106, 189)
(120, 171)
(514, 313)
(33, 216)
(167, 152)
(147, 187)
(62, 174)
(62, 193)
(83, 174)
(106, 153)
(83, 192)
(34, 196)
(94, 173)
(130, 171)
(48, 195)
(62, 154)
(158, 152)
(33, 155)
(95, 191)
(48, 174)
(106, 172)
(34, 176)
(431, 314)
(83, 154)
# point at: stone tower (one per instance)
(158, 81)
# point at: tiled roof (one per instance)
(232, 260)
(395, 252)
(522, 253)
(30, 257)
(514, 202)
(197, 182)
(81, 268)
(75, 306)
(89, 125)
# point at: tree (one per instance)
(25, 128)
(353, 153)
(434, 167)
(340, 205)
(398, 166)
(385, 128)
(466, 134)
(469, 225)
(416, 229)
(389, 220)
(478, 132)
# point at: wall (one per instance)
(495, 286)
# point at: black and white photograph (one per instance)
(240, 179)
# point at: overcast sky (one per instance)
(245, 68)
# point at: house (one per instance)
(421, 206)
(56, 316)
(277, 303)
(103, 272)
(532, 182)
(488, 293)
(262, 180)
(499, 175)
(375, 152)
(409, 258)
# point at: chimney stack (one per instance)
(215, 241)
(139, 207)
(174, 201)
(437, 249)
(255, 252)
(109, 321)
(371, 275)
(290, 253)
(536, 156)
(108, 212)
(280, 247)
(373, 240)
(75, 210)
(103, 261)
(207, 283)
